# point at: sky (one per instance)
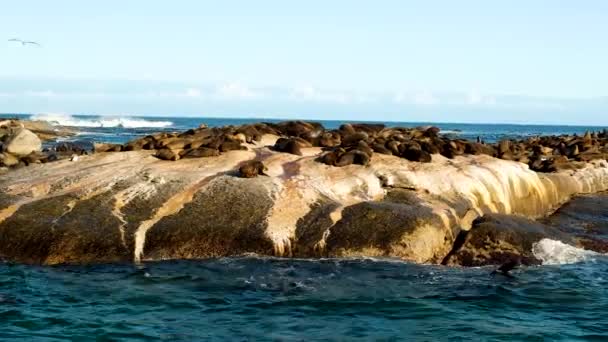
(451, 61)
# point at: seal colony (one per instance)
(350, 144)
(356, 144)
(296, 189)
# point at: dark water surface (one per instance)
(246, 299)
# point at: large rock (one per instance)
(585, 218)
(114, 207)
(22, 142)
(497, 238)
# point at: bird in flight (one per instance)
(23, 42)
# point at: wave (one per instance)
(553, 252)
(68, 120)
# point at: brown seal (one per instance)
(252, 168)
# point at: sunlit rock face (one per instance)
(132, 206)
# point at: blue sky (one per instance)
(458, 61)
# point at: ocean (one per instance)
(254, 298)
(270, 299)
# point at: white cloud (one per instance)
(236, 90)
(474, 97)
(424, 97)
(193, 92)
(312, 94)
(37, 93)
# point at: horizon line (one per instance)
(262, 118)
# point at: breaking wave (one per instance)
(552, 252)
(101, 122)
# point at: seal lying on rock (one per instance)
(200, 152)
(351, 143)
(167, 154)
(252, 168)
(290, 145)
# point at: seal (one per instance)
(167, 154)
(231, 145)
(200, 152)
(252, 168)
(288, 145)
(330, 139)
(417, 155)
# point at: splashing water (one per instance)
(553, 252)
(100, 122)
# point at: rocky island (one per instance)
(296, 189)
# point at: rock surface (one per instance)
(42, 129)
(130, 206)
(22, 142)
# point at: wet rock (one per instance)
(64, 231)
(585, 218)
(73, 147)
(497, 238)
(388, 229)
(239, 208)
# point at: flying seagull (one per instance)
(23, 42)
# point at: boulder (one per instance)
(497, 238)
(7, 159)
(22, 142)
(585, 218)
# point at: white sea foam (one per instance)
(552, 252)
(68, 120)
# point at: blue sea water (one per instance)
(271, 299)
